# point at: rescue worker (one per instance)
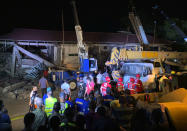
(108, 98)
(68, 123)
(43, 84)
(162, 84)
(105, 85)
(89, 87)
(5, 122)
(40, 115)
(33, 95)
(49, 102)
(63, 103)
(82, 106)
(99, 79)
(120, 85)
(82, 87)
(65, 87)
(173, 81)
(139, 85)
(132, 86)
(56, 112)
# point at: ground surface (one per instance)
(18, 108)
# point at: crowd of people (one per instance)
(99, 106)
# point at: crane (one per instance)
(86, 64)
(138, 28)
(172, 23)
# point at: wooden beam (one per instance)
(13, 61)
(48, 64)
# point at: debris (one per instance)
(13, 87)
(11, 95)
(179, 95)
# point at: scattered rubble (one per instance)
(179, 95)
(16, 89)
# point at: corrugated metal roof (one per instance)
(46, 35)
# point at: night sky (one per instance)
(94, 15)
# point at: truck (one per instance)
(86, 64)
(126, 63)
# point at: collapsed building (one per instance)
(25, 52)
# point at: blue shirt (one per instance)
(82, 105)
(70, 104)
(4, 118)
(45, 97)
(107, 99)
(42, 82)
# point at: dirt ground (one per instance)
(18, 108)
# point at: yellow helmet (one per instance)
(172, 72)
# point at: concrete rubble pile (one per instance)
(19, 90)
(179, 95)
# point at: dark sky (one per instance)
(94, 15)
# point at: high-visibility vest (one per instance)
(104, 87)
(63, 124)
(139, 86)
(63, 108)
(132, 88)
(49, 103)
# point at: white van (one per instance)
(147, 72)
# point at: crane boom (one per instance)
(123, 54)
(82, 52)
(138, 28)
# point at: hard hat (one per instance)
(107, 79)
(120, 79)
(172, 72)
(137, 75)
(132, 79)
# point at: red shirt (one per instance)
(139, 86)
(132, 88)
(45, 73)
(103, 88)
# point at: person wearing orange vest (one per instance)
(105, 85)
(132, 86)
(139, 85)
(120, 85)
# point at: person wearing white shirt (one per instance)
(65, 87)
(99, 79)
